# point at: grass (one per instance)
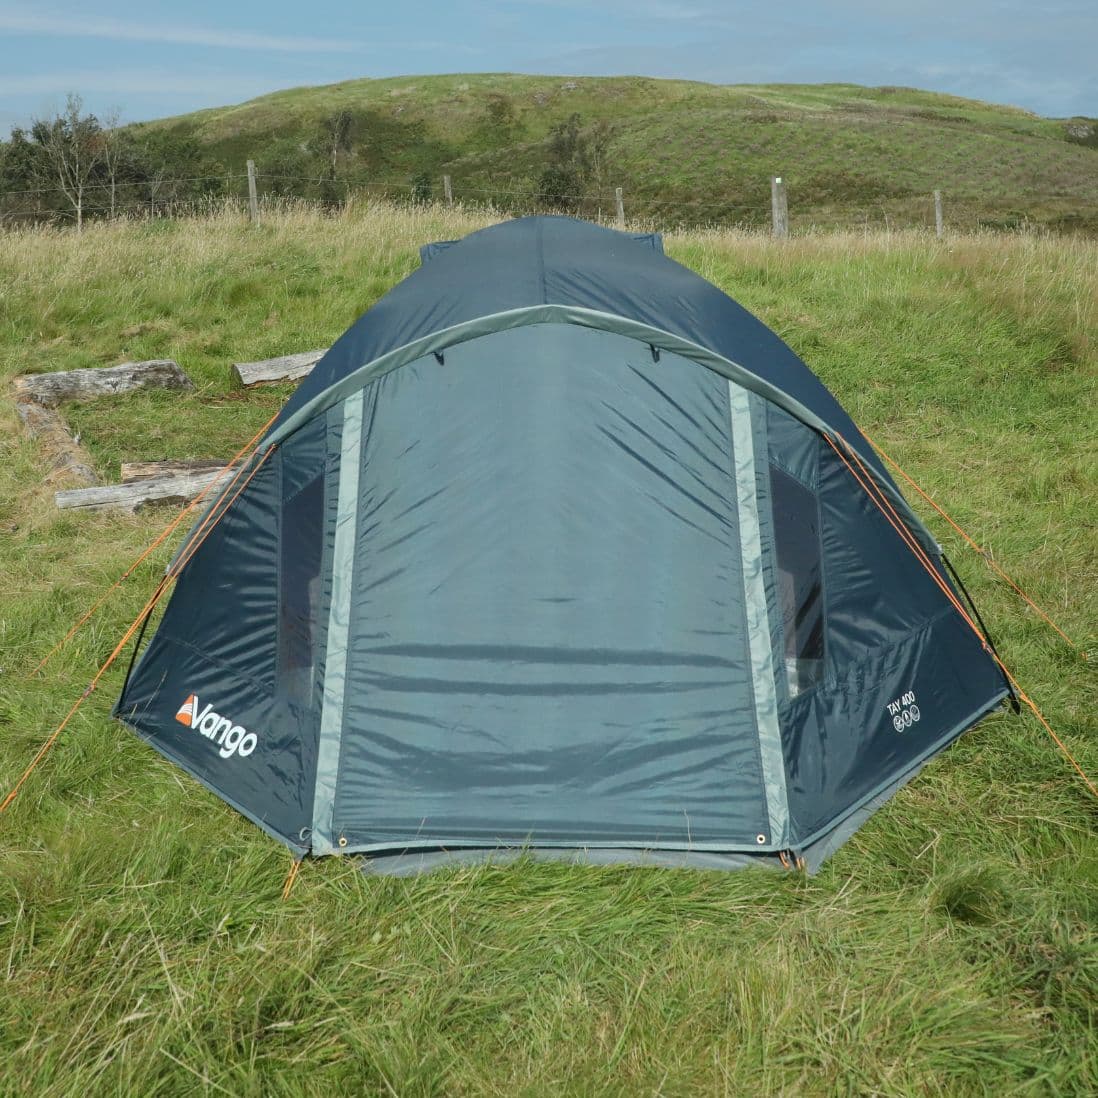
(949, 948)
(693, 152)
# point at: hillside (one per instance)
(685, 153)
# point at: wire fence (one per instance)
(181, 196)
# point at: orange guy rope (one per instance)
(972, 543)
(900, 527)
(164, 534)
(206, 526)
(165, 582)
(290, 878)
(80, 701)
(877, 495)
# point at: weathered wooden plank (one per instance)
(65, 457)
(284, 368)
(137, 494)
(52, 389)
(145, 470)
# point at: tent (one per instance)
(559, 549)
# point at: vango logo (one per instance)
(230, 738)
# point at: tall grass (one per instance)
(949, 948)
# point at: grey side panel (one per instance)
(337, 642)
(902, 671)
(289, 837)
(759, 633)
(845, 740)
(825, 842)
(548, 640)
(205, 692)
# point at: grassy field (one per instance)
(949, 948)
(685, 152)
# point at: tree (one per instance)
(558, 188)
(154, 181)
(114, 152)
(166, 165)
(598, 142)
(19, 161)
(21, 174)
(568, 146)
(283, 169)
(334, 138)
(336, 135)
(577, 159)
(74, 145)
(422, 186)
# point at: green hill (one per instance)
(684, 153)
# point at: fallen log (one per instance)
(137, 494)
(146, 470)
(66, 458)
(285, 368)
(55, 388)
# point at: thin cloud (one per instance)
(139, 82)
(75, 26)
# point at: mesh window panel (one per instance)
(302, 545)
(797, 538)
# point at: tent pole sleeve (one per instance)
(335, 662)
(760, 645)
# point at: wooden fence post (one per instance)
(253, 201)
(447, 190)
(939, 224)
(620, 207)
(779, 208)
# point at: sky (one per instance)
(147, 59)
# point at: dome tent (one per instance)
(559, 548)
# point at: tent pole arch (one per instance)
(587, 318)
